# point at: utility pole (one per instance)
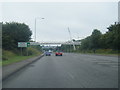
(71, 39)
(35, 25)
(35, 29)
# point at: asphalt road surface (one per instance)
(67, 71)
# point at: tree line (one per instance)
(15, 32)
(97, 40)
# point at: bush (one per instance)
(33, 51)
(7, 54)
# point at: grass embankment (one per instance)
(101, 52)
(16, 59)
(9, 57)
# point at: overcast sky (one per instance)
(80, 17)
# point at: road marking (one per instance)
(115, 66)
(101, 61)
(71, 76)
(107, 63)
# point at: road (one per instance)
(67, 71)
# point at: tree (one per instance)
(113, 36)
(109, 40)
(95, 39)
(103, 41)
(14, 32)
(86, 43)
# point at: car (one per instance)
(48, 53)
(58, 54)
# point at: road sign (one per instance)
(23, 44)
(28, 44)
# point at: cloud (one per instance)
(81, 18)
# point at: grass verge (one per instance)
(10, 57)
(107, 52)
(16, 59)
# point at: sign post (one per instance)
(23, 44)
(26, 44)
(21, 51)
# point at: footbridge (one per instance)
(55, 43)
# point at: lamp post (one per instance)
(35, 25)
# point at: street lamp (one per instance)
(35, 25)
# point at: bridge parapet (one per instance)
(65, 43)
(55, 43)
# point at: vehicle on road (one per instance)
(58, 54)
(47, 53)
